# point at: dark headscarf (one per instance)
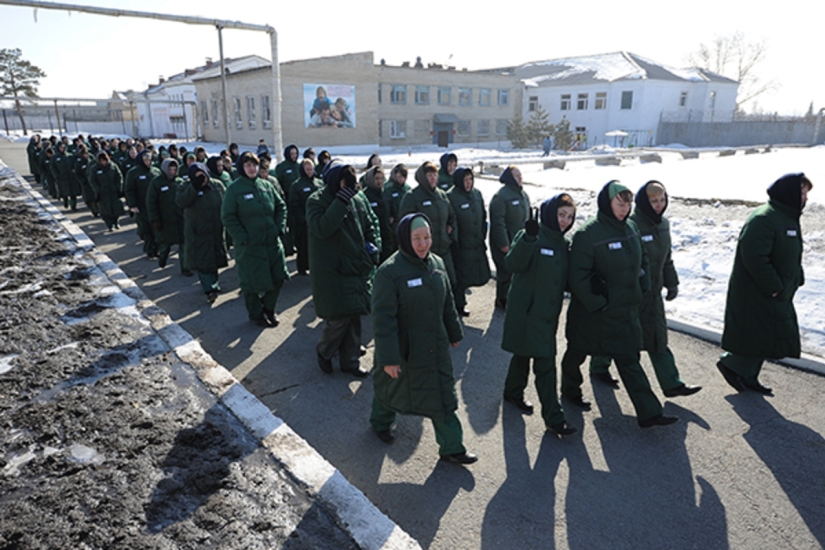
(445, 158)
(404, 232)
(212, 163)
(164, 166)
(787, 190)
(458, 178)
(196, 167)
(548, 211)
(610, 190)
(288, 149)
(507, 178)
(643, 203)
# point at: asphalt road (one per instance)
(738, 471)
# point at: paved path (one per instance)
(738, 471)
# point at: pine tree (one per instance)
(516, 132)
(562, 136)
(19, 78)
(538, 126)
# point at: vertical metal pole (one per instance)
(6, 122)
(132, 116)
(226, 133)
(275, 104)
(57, 114)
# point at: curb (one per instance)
(370, 528)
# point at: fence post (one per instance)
(57, 114)
(6, 122)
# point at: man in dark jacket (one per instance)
(509, 208)
(651, 203)
(343, 241)
(760, 319)
(608, 273)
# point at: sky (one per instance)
(87, 55)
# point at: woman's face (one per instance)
(516, 175)
(421, 241)
(658, 202)
(309, 168)
(379, 180)
(468, 181)
(250, 169)
(565, 216)
(620, 207)
(432, 178)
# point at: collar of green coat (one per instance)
(789, 211)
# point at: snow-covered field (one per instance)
(711, 197)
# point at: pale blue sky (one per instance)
(87, 55)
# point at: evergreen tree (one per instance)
(538, 126)
(562, 136)
(516, 132)
(19, 78)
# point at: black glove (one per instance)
(531, 226)
(199, 181)
(672, 292)
(598, 285)
(345, 194)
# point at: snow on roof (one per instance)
(607, 67)
(209, 69)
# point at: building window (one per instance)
(204, 113)
(581, 102)
(683, 99)
(238, 113)
(484, 96)
(399, 93)
(580, 135)
(565, 102)
(601, 101)
(464, 128)
(250, 111)
(422, 95)
(214, 113)
(713, 100)
(398, 129)
(465, 96)
(483, 127)
(266, 111)
(532, 103)
(444, 95)
(627, 100)
(501, 127)
(504, 97)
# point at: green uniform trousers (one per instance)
(502, 276)
(746, 367)
(164, 250)
(341, 335)
(630, 371)
(545, 370)
(448, 432)
(664, 365)
(209, 281)
(257, 303)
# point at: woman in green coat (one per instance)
(107, 182)
(165, 215)
(654, 228)
(415, 324)
(297, 212)
(509, 209)
(67, 185)
(760, 319)
(373, 181)
(255, 215)
(538, 260)
(470, 251)
(82, 165)
(136, 188)
(608, 273)
(201, 199)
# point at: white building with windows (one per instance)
(625, 92)
(170, 108)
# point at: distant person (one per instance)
(301, 190)
(200, 155)
(651, 203)
(233, 152)
(394, 191)
(309, 153)
(323, 159)
(107, 182)
(165, 215)
(760, 318)
(67, 185)
(547, 144)
(82, 165)
(46, 174)
(373, 190)
(136, 189)
(262, 147)
(509, 209)
(415, 325)
(449, 162)
(32, 154)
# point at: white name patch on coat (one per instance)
(395, 194)
(465, 206)
(647, 238)
(165, 188)
(615, 246)
(141, 177)
(427, 203)
(374, 204)
(516, 202)
(791, 232)
(306, 189)
(100, 171)
(547, 252)
(412, 283)
(200, 193)
(249, 196)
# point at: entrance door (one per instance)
(442, 133)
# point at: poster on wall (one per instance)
(329, 106)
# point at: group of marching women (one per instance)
(407, 255)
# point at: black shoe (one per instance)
(659, 420)
(162, 261)
(271, 317)
(605, 378)
(501, 303)
(186, 273)
(579, 402)
(211, 297)
(731, 377)
(524, 406)
(682, 390)
(261, 322)
(385, 435)
(463, 312)
(325, 364)
(355, 371)
(460, 458)
(759, 388)
(562, 429)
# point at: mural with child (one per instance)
(329, 106)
